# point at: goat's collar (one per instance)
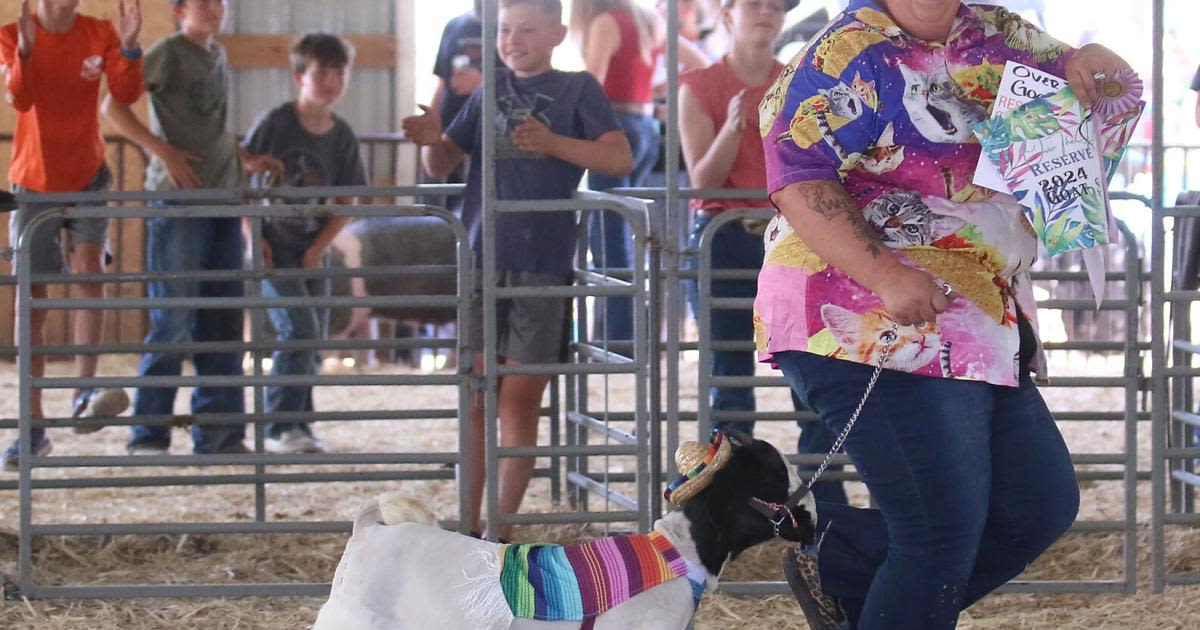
(676, 527)
(777, 513)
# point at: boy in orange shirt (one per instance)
(52, 60)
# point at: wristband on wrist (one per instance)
(134, 54)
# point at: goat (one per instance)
(399, 571)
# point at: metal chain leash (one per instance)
(837, 444)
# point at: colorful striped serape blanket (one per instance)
(581, 582)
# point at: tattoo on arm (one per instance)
(830, 201)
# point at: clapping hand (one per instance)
(464, 81)
(533, 136)
(425, 129)
(26, 30)
(735, 117)
(129, 24)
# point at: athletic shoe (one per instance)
(294, 440)
(98, 403)
(800, 567)
(11, 454)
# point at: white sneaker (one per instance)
(294, 441)
(103, 403)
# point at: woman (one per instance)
(885, 253)
(626, 38)
(718, 118)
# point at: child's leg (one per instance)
(224, 251)
(37, 368)
(85, 258)
(40, 239)
(475, 454)
(533, 332)
(519, 402)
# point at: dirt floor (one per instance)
(312, 558)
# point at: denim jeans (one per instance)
(609, 237)
(735, 248)
(973, 482)
(299, 323)
(190, 245)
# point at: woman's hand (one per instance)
(1083, 67)
(911, 296)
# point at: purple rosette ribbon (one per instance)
(1119, 94)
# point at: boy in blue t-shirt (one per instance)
(552, 126)
(317, 148)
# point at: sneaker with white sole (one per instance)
(98, 403)
(294, 440)
(10, 459)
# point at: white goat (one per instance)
(400, 571)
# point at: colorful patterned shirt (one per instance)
(889, 116)
(583, 581)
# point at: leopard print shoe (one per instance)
(800, 567)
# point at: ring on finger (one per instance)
(946, 289)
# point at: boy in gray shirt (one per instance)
(187, 79)
(317, 148)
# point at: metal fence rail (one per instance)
(267, 469)
(1175, 451)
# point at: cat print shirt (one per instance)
(890, 116)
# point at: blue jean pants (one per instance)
(609, 237)
(973, 482)
(299, 323)
(190, 245)
(735, 248)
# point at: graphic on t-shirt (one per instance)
(512, 110)
(304, 168)
(92, 68)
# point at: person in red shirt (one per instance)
(52, 61)
(718, 116)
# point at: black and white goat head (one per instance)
(755, 497)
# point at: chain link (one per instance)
(837, 444)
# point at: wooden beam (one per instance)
(271, 51)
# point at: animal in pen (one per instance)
(399, 570)
(401, 242)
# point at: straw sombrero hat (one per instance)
(698, 465)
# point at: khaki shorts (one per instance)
(528, 330)
(45, 246)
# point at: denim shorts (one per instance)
(44, 241)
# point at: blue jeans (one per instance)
(190, 245)
(300, 323)
(735, 248)
(973, 482)
(609, 237)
